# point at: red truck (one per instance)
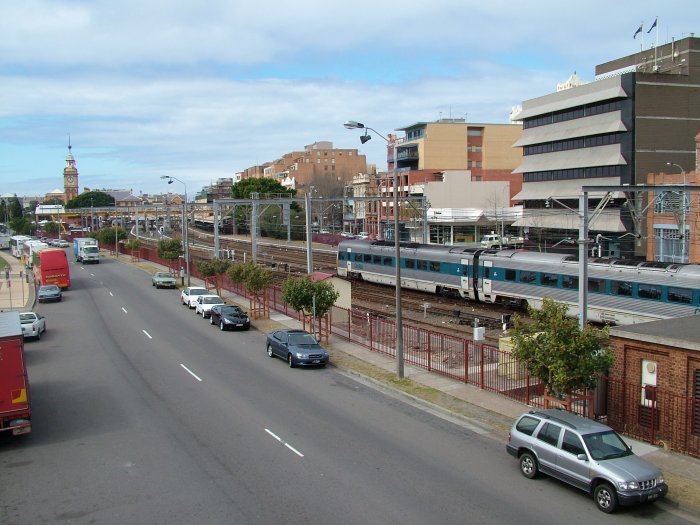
(51, 267)
(15, 404)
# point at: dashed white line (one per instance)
(147, 334)
(124, 310)
(110, 293)
(191, 373)
(92, 274)
(281, 441)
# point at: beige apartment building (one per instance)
(319, 165)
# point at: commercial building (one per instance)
(641, 112)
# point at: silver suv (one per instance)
(585, 454)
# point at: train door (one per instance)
(348, 260)
(485, 284)
(465, 282)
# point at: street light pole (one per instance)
(683, 212)
(351, 124)
(185, 229)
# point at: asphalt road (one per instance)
(145, 413)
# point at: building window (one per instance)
(696, 402)
(668, 245)
(474, 133)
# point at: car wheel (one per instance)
(528, 465)
(211, 320)
(38, 335)
(605, 498)
(290, 361)
(203, 316)
(270, 353)
(221, 326)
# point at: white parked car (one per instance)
(363, 235)
(189, 295)
(33, 324)
(204, 304)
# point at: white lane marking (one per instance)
(92, 274)
(274, 435)
(147, 334)
(191, 373)
(110, 293)
(281, 441)
(124, 310)
(290, 447)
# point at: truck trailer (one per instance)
(15, 404)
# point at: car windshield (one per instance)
(231, 310)
(162, 274)
(49, 288)
(302, 339)
(198, 292)
(26, 317)
(606, 445)
(212, 300)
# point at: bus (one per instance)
(51, 267)
(17, 244)
(5, 241)
(30, 248)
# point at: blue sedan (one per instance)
(297, 347)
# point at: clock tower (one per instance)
(70, 176)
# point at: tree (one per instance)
(214, 268)
(21, 226)
(169, 249)
(107, 235)
(52, 228)
(14, 208)
(554, 349)
(97, 199)
(309, 297)
(263, 186)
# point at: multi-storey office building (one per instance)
(641, 112)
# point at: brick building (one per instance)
(654, 387)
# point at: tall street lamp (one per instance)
(351, 124)
(683, 218)
(185, 229)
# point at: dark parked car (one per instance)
(48, 293)
(229, 317)
(297, 347)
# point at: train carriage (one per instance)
(619, 291)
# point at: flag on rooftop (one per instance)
(637, 31)
(653, 25)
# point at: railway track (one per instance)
(437, 313)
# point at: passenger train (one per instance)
(620, 292)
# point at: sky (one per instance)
(202, 90)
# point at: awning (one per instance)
(565, 189)
(606, 221)
(608, 155)
(569, 129)
(598, 91)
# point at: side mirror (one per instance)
(582, 457)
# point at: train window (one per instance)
(388, 261)
(487, 272)
(341, 256)
(422, 265)
(358, 257)
(377, 259)
(434, 266)
(367, 258)
(410, 263)
(620, 288)
(569, 282)
(596, 285)
(680, 295)
(465, 270)
(510, 275)
(649, 291)
(526, 276)
(549, 279)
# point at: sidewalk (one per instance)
(15, 292)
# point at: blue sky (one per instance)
(202, 90)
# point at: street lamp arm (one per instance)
(351, 124)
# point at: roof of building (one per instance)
(681, 332)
